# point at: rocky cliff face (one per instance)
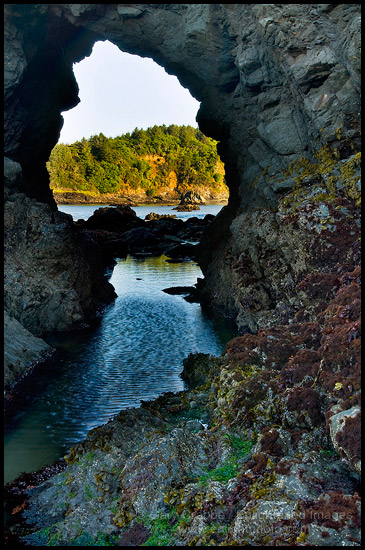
(299, 94)
(271, 78)
(54, 276)
(49, 287)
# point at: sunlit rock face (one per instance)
(276, 83)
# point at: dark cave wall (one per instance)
(39, 84)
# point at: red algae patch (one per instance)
(334, 510)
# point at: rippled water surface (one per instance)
(135, 353)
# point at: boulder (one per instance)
(142, 240)
(186, 207)
(112, 244)
(12, 174)
(178, 290)
(191, 197)
(181, 251)
(154, 216)
(166, 226)
(198, 367)
(154, 470)
(345, 431)
(115, 219)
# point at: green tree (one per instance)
(110, 165)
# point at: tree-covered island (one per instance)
(160, 163)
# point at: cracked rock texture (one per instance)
(54, 279)
(271, 78)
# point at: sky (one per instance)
(120, 91)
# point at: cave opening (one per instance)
(120, 91)
(282, 260)
(133, 132)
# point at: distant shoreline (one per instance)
(79, 199)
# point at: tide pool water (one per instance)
(135, 353)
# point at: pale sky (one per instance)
(120, 92)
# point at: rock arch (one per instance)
(53, 38)
(272, 80)
(260, 73)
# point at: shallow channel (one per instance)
(134, 353)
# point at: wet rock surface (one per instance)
(22, 351)
(120, 232)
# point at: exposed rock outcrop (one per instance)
(119, 231)
(270, 77)
(262, 450)
(276, 82)
(76, 197)
(54, 274)
(345, 430)
(186, 207)
(256, 278)
(191, 197)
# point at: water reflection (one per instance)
(134, 354)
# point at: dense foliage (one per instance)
(179, 157)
